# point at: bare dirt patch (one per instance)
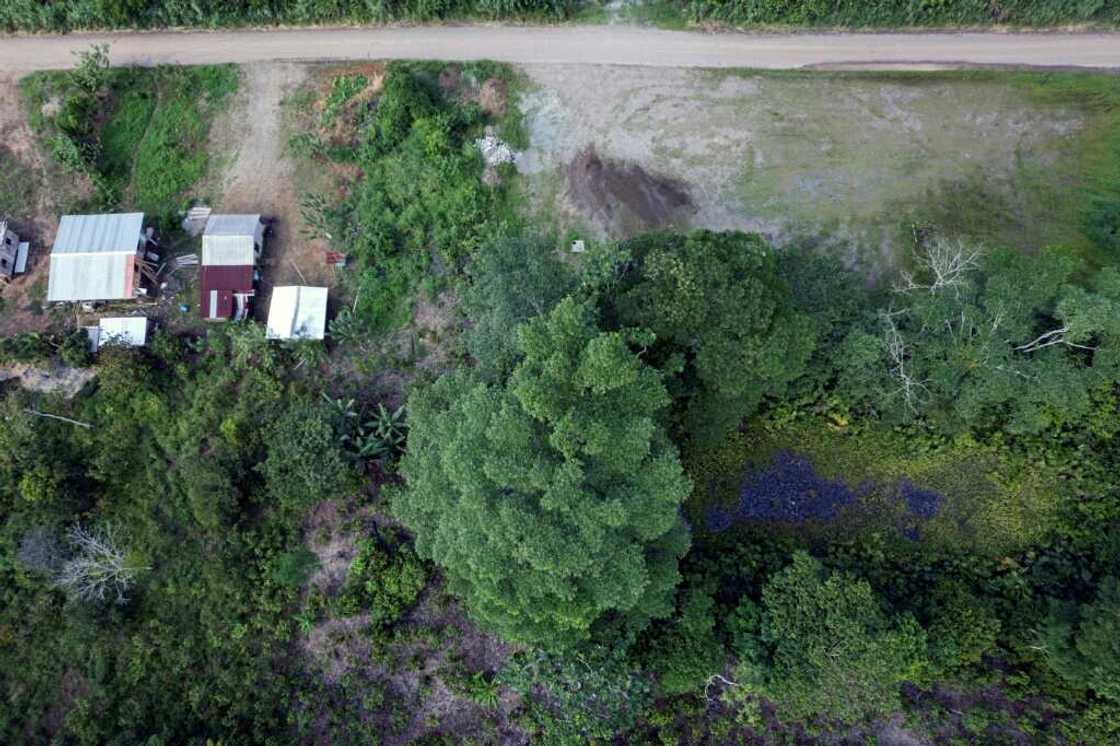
(622, 198)
(417, 665)
(60, 379)
(854, 157)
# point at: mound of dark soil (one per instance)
(622, 197)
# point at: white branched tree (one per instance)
(941, 263)
(99, 569)
(908, 389)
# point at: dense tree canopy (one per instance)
(820, 645)
(552, 501)
(987, 340)
(514, 280)
(1083, 643)
(724, 322)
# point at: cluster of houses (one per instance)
(112, 258)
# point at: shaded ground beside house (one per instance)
(33, 193)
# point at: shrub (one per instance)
(383, 580)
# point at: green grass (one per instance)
(122, 133)
(171, 157)
(151, 132)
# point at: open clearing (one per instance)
(856, 158)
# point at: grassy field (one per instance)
(147, 143)
(853, 162)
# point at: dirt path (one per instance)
(574, 44)
(251, 138)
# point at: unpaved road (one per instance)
(604, 45)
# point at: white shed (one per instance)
(232, 241)
(297, 312)
(127, 331)
(95, 257)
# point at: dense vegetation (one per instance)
(899, 13)
(138, 135)
(691, 488)
(68, 15)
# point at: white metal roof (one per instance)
(118, 233)
(228, 251)
(130, 331)
(230, 240)
(297, 312)
(81, 277)
(233, 225)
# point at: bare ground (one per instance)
(432, 645)
(802, 154)
(51, 193)
(250, 140)
(59, 379)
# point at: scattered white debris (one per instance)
(494, 151)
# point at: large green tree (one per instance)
(1083, 643)
(551, 502)
(724, 321)
(820, 644)
(512, 280)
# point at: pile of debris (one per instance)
(622, 198)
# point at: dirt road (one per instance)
(611, 45)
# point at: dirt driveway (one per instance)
(250, 140)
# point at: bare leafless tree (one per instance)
(941, 263)
(99, 569)
(1049, 339)
(909, 389)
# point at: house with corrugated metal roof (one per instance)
(97, 257)
(297, 312)
(231, 248)
(13, 253)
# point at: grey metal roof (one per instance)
(99, 234)
(232, 225)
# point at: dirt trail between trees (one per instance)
(603, 45)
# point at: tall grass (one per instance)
(64, 15)
(900, 13)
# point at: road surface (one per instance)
(574, 44)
